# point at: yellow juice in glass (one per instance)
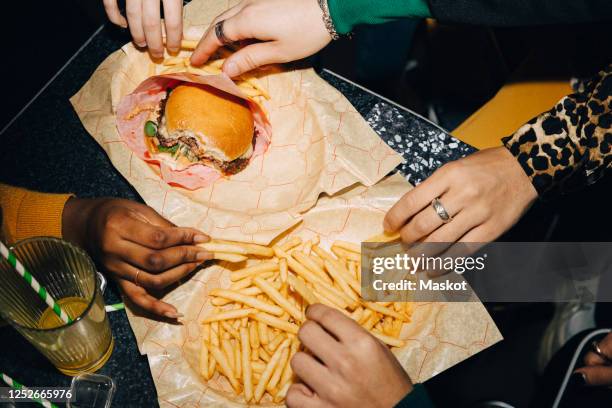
(68, 274)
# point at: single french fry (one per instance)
(237, 357)
(391, 341)
(282, 393)
(257, 85)
(227, 348)
(214, 333)
(384, 310)
(262, 332)
(297, 267)
(173, 69)
(290, 244)
(254, 270)
(287, 370)
(277, 297)
(241, 284)
(273, 344)
(349, 246)
(264, 355)
(218, 63)
(367, 313)
(302, 289)
(247, 378)
(229, 257)
(206, 333)
(247, 300)
(212, 365)
(227, 248)
(227, 315)
(278, 371)
(174, 61)
(282, 264)
(251, 249)
(276, 322)
(396, 328)
(188, 44)
(265, 376)
(221, 359)
(204, 360)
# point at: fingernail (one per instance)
(308, 392)
(141, 44)
(231, 69)
(203, 255)
(173, 50)
(173, 315)
(578, 379)
(200, 239)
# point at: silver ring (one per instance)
(597, 350)
(441, 211)
(220, 34)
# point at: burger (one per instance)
(199, 124)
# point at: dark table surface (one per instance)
(47, 149)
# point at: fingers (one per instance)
(428, 220)
(142, 299)
(155, 237)
(605, 345)
(160, 260)
(147, 280)
(133, 10)
(209, 43)
(597, 375)
(151, 23)
(113, 13)
(310, 371)
(251, 57)
(334, 322)
(300, 396)
(414, 201)
(319, 342)
(173, 20)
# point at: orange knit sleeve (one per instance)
(25, 213)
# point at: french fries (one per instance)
(250, 336)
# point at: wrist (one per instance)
(75, 218)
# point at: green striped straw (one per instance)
(42, 292)
(115, 307)
(16, 386)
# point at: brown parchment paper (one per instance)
(320, 144)
(439, 335)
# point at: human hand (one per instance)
(348, 367)
(598, 369)
(143, 251)
(144, 21)
(290, 30)
(486, 193)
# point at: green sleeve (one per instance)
(417, 398)
(347, 14)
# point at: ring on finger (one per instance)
(136, 277)
(221, 34)
(441, 211)
(597, 350)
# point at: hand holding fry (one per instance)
(348, 366)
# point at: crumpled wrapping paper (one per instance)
(320, 144)
(439, 336)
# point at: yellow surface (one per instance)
(513, 106)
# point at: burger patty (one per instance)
(227, 168)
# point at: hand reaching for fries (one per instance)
(143, 251)
(144, 22)
(346, 366)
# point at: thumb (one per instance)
(597, 375)
(251, 57)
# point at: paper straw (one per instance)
(42, 292)
(16, 386)
(115, 307)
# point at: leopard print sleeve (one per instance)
(569, 146)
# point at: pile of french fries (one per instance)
(247, 83)
(250, 335)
